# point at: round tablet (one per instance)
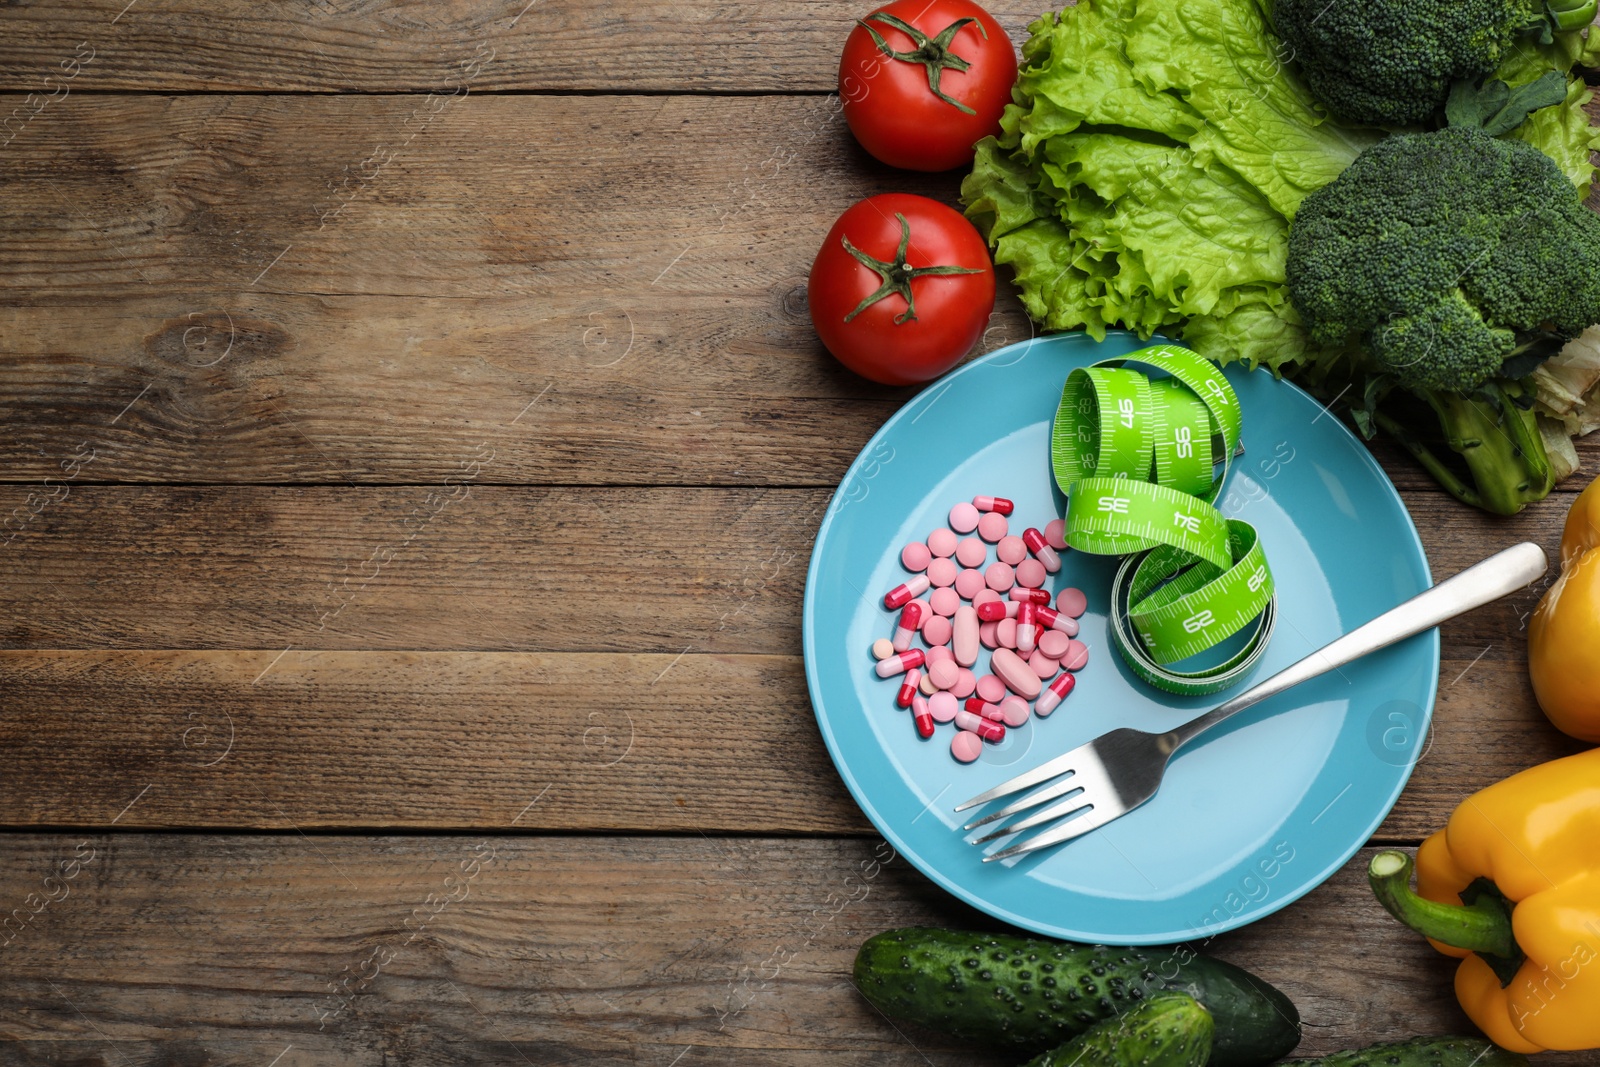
(1005, 631)
(942, 572)
(943, 707)
(1055, 534)
(945, 602)
(1071, 602)
(992, 527)
(1011, 549)
(937, 631)
(1030, 574)
(969, 583)
(915, 556)
(964, 685)
(971, 552)
(882, 648)
(966, 746)
(938, 654)
(926, 686)
(1052, 643)
(944, 674)
(1077, 656)
(942, 543)
(1014, 711)
(963, 518)
(991, 689)
(1000, 577)
(1044, 666)
(987, 636)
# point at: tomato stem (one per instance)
(897, 276)
(934, 54)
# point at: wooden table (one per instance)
(413, 439)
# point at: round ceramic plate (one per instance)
(1249, 817)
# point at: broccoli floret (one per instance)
(1392, 62)
(1445, 255)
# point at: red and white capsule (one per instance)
(1023, 595)
(993, 503)
(1040, 547)
(984, 728)
(1051, 619)
(901, 595)
(908, 688)
(1054, 694)
(911, 619)
(922, 715)
(994, 610)
(1027, 628)
(900, 663)
(980, 706)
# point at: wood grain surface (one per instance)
(411, 447)
(546, 950)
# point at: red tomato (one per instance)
(912, 299)
(921, 99)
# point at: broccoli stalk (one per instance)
(1495, 437)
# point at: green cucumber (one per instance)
(1165, 1030)
(1421, 1052)
(1031, 995)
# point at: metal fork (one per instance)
(1121, 769)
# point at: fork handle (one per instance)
(1502, 573)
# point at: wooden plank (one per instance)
(478, 567)
(558, 950)
(322, 46)
(283, 740)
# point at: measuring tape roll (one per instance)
(1138, 460)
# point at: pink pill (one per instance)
(937, 653)
(915, 556)
(942, 543)
(944, 602)
(964, 685)
(1071, 602)
(1052, 643)
(1044, 666)
(966, 746)
(1011, 550)
(1005, 631)
(1014, 711)
(969, 583)
(943, 707)
(987, 636)
(1077, 656)
(1055, 534)
(971, 552)
(986, 596)
(945, 673)
(1016, 673)
(1030, 574)
(999, 576)
(991, 689)
(1053, 695)
(964, 518)
(992, 527)
(927, 610)
(964, 640)
(942, 573)
(936, 632)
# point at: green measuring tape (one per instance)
(1138, 459)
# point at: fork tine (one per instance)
(1027, 780)
(1068, 830)
(1060, 810)
(1067, 785)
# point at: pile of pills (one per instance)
(973, 603)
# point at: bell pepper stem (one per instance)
(1484, 926)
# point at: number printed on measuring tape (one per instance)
(1185, 441)
(1125, 412)
(1257, 579)
(1188, 522)
(1199, 621)
(1114, 505)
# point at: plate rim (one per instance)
(930, 870)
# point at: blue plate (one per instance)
(1251, 817)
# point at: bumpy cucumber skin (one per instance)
(1166, 1030)
(1032, 995)
(1421, 1052)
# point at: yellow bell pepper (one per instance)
(1512, 885)
(1564, 636)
